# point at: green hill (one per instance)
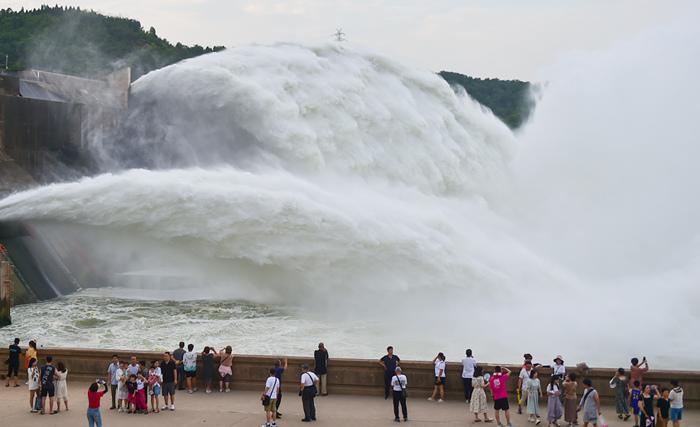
(508, 99)
(75, 41)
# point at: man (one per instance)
(522, 384)
(269, 398)
(112, 379)
(47, 377)
(169, 371)
(398, 387)
(321, 367)
(498, 383)
(133, 368)
(676, 399)
(280, 367)
(189, 364)
(468, 365)
(389, 362)
(13, 363)
(307, 391)
(177, 355)
(637, 370)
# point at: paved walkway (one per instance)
(242, 408)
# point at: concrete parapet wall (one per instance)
(353, 376)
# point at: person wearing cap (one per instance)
(307, 390)
(523, 378)
(559, 369)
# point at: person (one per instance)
(559, 368)
(94, 396)
(48, 376)
(280, 367)
(143, 370)
(61, 386)
(635, 397)
(133, 368)
(620, 384)
(178, 354)
(189, 362)
(675, 397)
(131, 390)
(13, 363)
(33, 384)
(439, 362)
(664, 408)
(468, 366)
(478, 402)
(307, 391)
(534, 392)
(647, 417)
(269, 398)
(112, 379)
(523, 378)
(121, 376)
(155, 379)
(570, 400)
(321, 367)
(498, 383)
(31, 353)
(637, 370)
(399, 383)
(208, 367)
(169, 371)
(389, 362)
(554, 406)
(590, 404)
(225, 370)
(141, 401)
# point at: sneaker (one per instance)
(627, 417)
(440, 400)
(172, 407)
(164, 408)
(430, 399)
(538, 422)
(405, 420)
(208, 391)
(397, 420)
(499, 425)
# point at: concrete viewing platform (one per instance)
(243, 408)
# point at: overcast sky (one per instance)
(487, 38)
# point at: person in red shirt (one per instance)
(499, 389)
(94, 396)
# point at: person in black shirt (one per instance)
(321, 367)
(13, 362)
(389, 362)
(178, 353)
(47, 377)
(169, 370)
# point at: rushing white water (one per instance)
(343, 186)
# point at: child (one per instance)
(141, 404)
(61, 387)
(554, 407)
(131, 391)
(620, 384)
(664, 406)
(534, 392)
(155, 379)
(33, 383)
(122, 393)
(635, 396)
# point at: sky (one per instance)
(513, 39)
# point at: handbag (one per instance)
(312, 387)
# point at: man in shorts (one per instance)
(499, 389)
(676, 398)
(13, 362)
(169, 371)
(47, 377)
(269, 398)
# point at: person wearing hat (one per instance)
(559, 369)
(307, 390)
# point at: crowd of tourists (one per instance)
(136, 387)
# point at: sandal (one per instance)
(490, 420)
(478, 420)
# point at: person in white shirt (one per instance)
(122, 393)
(189, 362)
(307, 391)
(398, 387)
(269, 398)
(468, 365)
(440, 377)
(676, 399)
(559, 369)
(523, 378)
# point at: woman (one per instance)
(439, 362)
(646, 408)
(33, 383)
(554, 406)
(570, 403)
(620, 384)
(61, 386)
(208, 367)
(590, 404)
(559, 369)
(478, 397)
(225, 370)
(94, 396)
(30, 354)
(534, 392)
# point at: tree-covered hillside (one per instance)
(80, 42)
(508, 99)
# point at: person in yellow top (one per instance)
(30, 354)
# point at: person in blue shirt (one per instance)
(280, 367)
